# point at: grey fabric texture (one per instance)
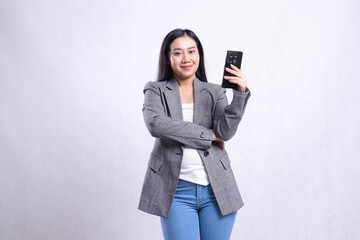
(162, 111)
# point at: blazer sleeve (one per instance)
(227, 117)
(162, 126)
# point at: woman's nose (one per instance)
(185, 57)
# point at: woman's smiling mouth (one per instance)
(186, 67)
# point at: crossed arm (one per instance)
(226, 119)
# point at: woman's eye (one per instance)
(177, 53)
(192, 51)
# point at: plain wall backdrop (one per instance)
(74, 147)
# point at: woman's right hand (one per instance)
(216, 139)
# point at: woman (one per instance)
(189, 182)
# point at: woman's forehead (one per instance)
(184, 42)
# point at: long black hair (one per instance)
(164, 69)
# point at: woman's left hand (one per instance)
(239, 78)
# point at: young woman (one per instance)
(189, 182)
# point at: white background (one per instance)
(74, 147)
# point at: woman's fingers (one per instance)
(234, 67)
(222, 145)
(234, 70)
(241, 82)
(236, 80)
(216, 139)
(238, 77)
(232, 78)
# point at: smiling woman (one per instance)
(189, 182)
(184, 58)
(165, 71)
(184, 61)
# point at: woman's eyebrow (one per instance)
(182, 49)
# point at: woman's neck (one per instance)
(185, 83)
(186, 90)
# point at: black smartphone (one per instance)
(234, 58)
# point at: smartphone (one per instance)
(234, 58)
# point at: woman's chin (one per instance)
(185, 75)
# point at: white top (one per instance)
(192, 167)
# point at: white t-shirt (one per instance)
(192, 167)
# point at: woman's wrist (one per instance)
(240, 89)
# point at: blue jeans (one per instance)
(195, 215)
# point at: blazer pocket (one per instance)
(225, 161)
(155, 162)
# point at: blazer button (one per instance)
(206, 153)
(202, 135)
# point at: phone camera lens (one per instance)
(235, 55)
(231, 55)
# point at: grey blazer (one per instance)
(162, 112)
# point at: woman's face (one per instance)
(184, 57)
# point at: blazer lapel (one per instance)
(173, 99)
(200, 101)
